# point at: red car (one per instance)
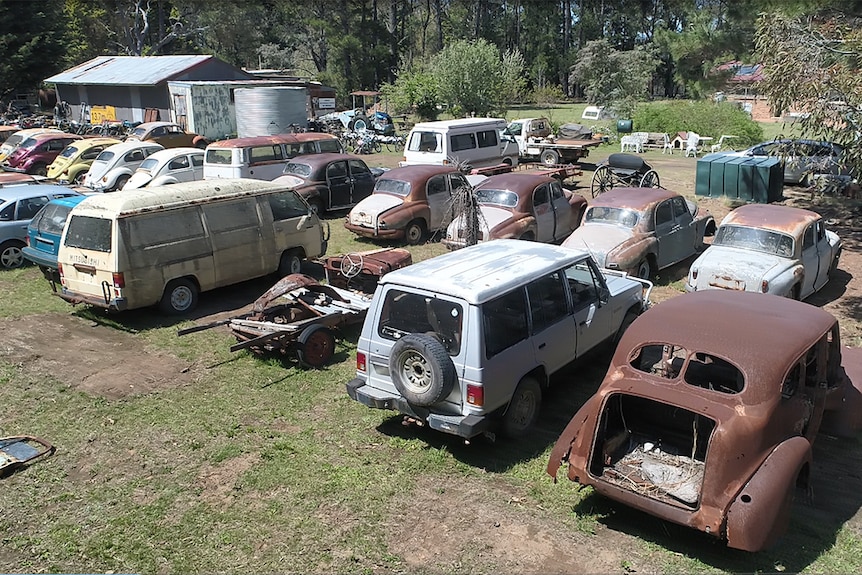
(522, 206)
(36, 153)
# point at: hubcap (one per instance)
(11, 258)
(181, 298)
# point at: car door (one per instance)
(338, 182)
(197, 166)
(666, 233)
(438, 194)
(552, 325)
(543, 211)
(824, 254)
(361, 180)
(810, 260)
(592, 317)
(565, 218)
(686, 234)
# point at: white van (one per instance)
(165, 245)
(263, 157)
(468, 142)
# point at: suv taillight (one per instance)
(361, 365)
(475, 395)
(119, 280)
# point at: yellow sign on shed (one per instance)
(99, 114)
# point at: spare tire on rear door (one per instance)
(421, 369)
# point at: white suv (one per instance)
(466, 341)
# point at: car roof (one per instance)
(44, 136)
(514, 182)
(274, 139)
(761, 334)
(127, 145)
(634, 198)
(91, 142)
(417, 172)
(487, 270)
(33, 190)
(151, 125)
(316, 160)
(168, 153)
(785, 219)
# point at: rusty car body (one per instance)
(642, 230)
(520, 205)
(330, 181)
(768, 248)
(407, 203)
(167, 135)
(709, 428)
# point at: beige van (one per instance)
(263, 157)
(165, 245)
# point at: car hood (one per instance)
(138, 180)
(734, 268)
(598, 239)
(373, 206)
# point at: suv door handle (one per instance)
(542, 345)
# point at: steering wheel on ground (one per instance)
(351, 265)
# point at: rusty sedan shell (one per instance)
(524, 206)
(330, 181)
(642, 230)
(709, 428)
(768, 248)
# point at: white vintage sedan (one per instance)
(168, 167)
(769, 249)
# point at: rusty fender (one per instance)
(629, 254)
(761, 511)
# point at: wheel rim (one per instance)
(12, 257)
(79, 179)
(643, 270)
(181, 298)
(523, 411)
(415, 371)
(318, 348)
(414, 234)
(551, 159)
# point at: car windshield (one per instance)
(297, 169)
(394, 187)
(69, 152)
(104, 156)
(28, 143)
(757, 239)
(503, 198)
(148, 165)
(622, 216)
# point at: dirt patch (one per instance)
(218, 482)
(89, 357)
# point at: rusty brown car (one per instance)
(522, 206)
(710, 428)
(328, 181)
(168, 135)
(642, 230)
(407, 203)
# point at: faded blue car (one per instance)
(18, 205)
(43, 234)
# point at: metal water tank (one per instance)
(268, 110)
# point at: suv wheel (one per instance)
(523, 408)
(421, 369)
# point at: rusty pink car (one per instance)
(710, 428)
(522, 206)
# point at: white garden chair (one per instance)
(717, 146)
(691, 144)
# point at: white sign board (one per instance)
(325, 103)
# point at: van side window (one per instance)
(487, 138)
(286, 205)
(504, 321)
(548, 303)
(260, 154)
(140, 232)
(293, 150)
(231, 216)
(463, 142)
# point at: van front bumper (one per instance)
(116, 304)
(466, 426)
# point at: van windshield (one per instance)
(89, 233)
(219, 157)
(425, 142)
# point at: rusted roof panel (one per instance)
(274, 139)
(633, 198)
(128, 70)
(784, 219)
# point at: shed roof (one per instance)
(129, 70)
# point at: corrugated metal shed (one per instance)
(128, 70)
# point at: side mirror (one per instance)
(604, 295)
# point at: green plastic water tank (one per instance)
(624, 126)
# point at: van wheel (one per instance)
(414, 232)
(523, 409)
(180, 296)
(316, 346)
(421, 369)
(11, 256)
(121, 181)
(291, 263)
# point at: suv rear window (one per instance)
(407, 312)
(89, 233)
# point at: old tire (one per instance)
(422, 371)
(550, 157)
(78, 180)
(316, 346)
(121, 181)
(180, 296)
(11, 256)
(290, 263)
(523, 409)
(414, 232)
(644, 270)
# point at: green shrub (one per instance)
(704, 117)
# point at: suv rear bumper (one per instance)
(466, 426)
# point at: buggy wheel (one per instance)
(316, 346)
(650, 180)
(602, 181)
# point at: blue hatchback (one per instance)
(43, 234)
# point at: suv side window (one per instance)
(504, 321)
(548, 302)
(581, 278)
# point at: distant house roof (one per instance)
(743, 73)
(134, 70)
